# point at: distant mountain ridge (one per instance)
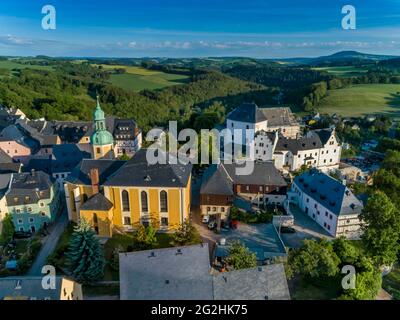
(338, 57)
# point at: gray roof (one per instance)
(264, 173)
(126, 128)
(325, 134)
(4, 157)
(216, 181)
(301, 144)
(4, 182)
(29, 288)
(13, 167)
(247, 112)
(81, 173)
(180, 273)
(219, 179)
(43, 139)
(260, 283)
(28, 188)
(138, 172)
(15, 132)
(329, 192)
(250, 112)
(73, 131)
(279, 116)
(97, 202)
(66, 157)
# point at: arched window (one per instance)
(164, 201)
(143, 198)
(125, 201)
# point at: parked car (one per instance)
(22, 234)
(206, 219)
(287, 230)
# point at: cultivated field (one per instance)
(138, 78)
(345, 71)
(359, 100)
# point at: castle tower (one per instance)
(101, 140)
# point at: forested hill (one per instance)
(268, 75)
(66, 92)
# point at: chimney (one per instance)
(94, 178)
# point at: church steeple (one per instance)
(101, 140)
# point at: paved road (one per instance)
(49, 245)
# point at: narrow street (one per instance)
(49, 243)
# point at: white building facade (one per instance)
(328, 202)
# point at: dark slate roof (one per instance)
(43, 139)
(138, 172)
(4, 157)
(97, 202)
(16, 133)
(329, 192)
(180, 273)
(5, 179)
(216, 181)
(219, 179)
(301, 144)
(250, 112)
(264, 173)
(73, 131)
(66, 157)
(126, 128)
(278, 116)
(29, 188)
(81, 173)
(247, 112)
(260, 283)
(325, 134)
(38, 164)
(13, 167)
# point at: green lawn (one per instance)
(344, 71)
(359, 100)
(136, 82)
(13, 64)
(316, 289)
(137, 78)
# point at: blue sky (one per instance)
(193, 28)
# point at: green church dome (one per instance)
(101, 138)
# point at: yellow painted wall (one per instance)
(114, 195)
(84, 139)
(153, 196)
(134, 202)
(174, 208)
(104, 221)
(106, 152)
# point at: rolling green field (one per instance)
(10, 65)
(359, 100)
(138, 78)
(345, 71)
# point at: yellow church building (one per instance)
(120, 195)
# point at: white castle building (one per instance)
(273, 134)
